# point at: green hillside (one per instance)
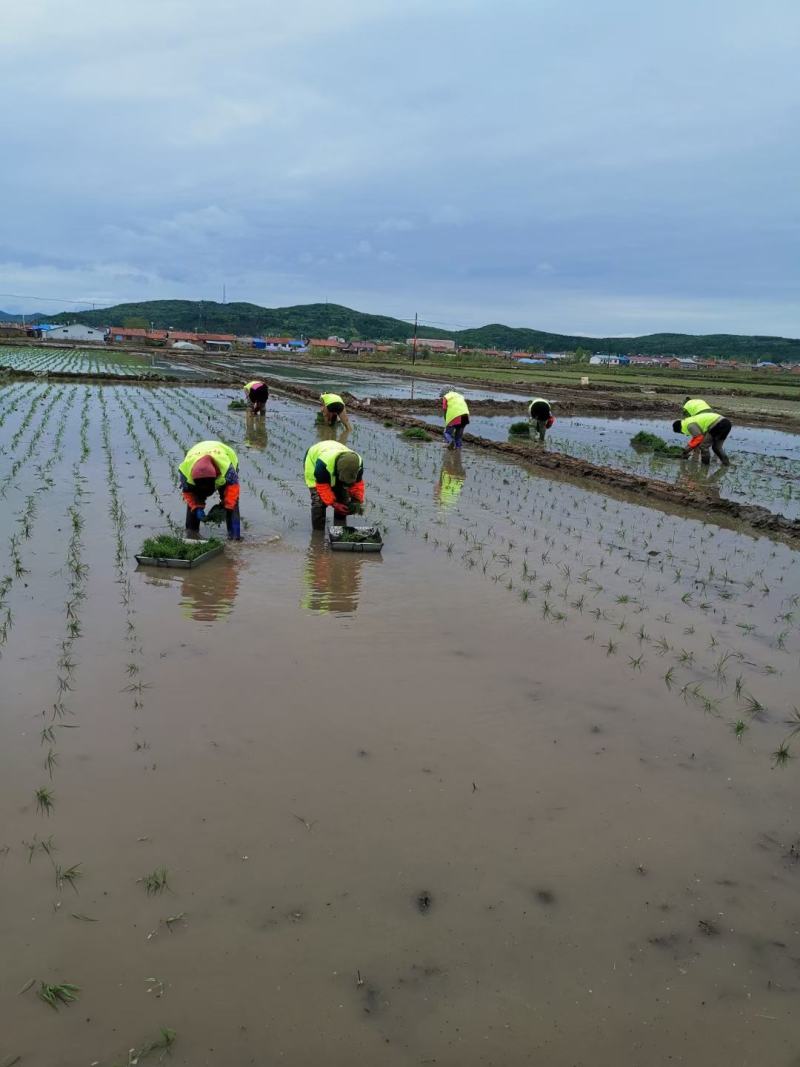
(324, 320)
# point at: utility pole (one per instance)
(414, 346)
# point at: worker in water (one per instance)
(540, 416)
(257, 394)
(335, 478)
(456, 416)
(211, 466)
(332, 407)
(706, 430)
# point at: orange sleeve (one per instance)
(230, 496)
(191, 499)
(357, 491)
(326, 494)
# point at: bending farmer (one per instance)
(208, 467)
(540, 416)
(335, 478)
(333, 409)
(706, 430)
(456, 416)
(257, 394)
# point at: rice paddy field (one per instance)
(765, 463)
(98, 362)
(520, 789)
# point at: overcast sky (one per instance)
(597, 167)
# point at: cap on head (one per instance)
(347, 468)
(445, 390)
(204, 468)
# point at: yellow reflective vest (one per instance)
(331, 398)
(223, 455)
(694, 407)
(249, 386)
(328, 452)
(696, 425)
(456, 406)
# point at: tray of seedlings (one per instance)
(355, 538)
(168, 551)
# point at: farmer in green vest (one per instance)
(333, 408)
(706, 429)
(257, 394)
(335, 478)
(209, 467)
(456, 416)
(540, 416)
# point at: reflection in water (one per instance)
(451, 480)
(255, 431)
(337, 432)
(332, 580)
(693, 474)
(208, 592)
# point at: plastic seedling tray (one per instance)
(339, 544)
(185, 564)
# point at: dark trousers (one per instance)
(541, 427)
(716, 438)
(259, 398)
(318, 509)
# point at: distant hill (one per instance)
(324, 320)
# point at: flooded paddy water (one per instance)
(520, 791)
(765, 463)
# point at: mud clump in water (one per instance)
(423, 902)
(546, 897)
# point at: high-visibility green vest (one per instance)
(250, 385)
(328, 452)
(331, 398)
(700, 424)
(223, 456)
(456, 405)
(537, 400)
(694, 407)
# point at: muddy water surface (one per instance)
(441, 806)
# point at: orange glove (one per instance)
(191, 499)
(357, 491)
(230, 496)
(696, 441)
(326, 494)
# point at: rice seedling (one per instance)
(739, 728)
(156, 881)
(51, 762)
(70, 875)
(611, 647)
(635, 662)
(45, 801)
(781, 755)
(58, 993)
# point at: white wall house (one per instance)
(74, 332)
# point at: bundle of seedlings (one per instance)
(651, 442)
(360, 535)
(520, 429)
(415, 433)
(237, 405)
(167, 546)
